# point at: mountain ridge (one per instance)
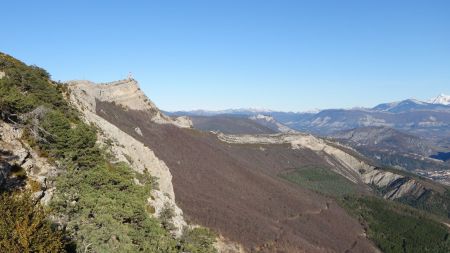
(130, 175)
(441, 99)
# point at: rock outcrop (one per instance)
(124, 147)
(394, 186)
(126, 93)
(18, 159)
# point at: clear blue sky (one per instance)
(284, 55)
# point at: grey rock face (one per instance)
(16, 154)
(126, 93)
(124, 147)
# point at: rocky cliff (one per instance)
(126, 93)
(19, 161)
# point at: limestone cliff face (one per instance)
(349, 166)
(395, 185)
(18, 155)
(126, 93)
(84, 94)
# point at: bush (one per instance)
(13, 102)
(71, 142)
(166, 215)
(198, 240)
(24, 88)
(108, 211)
(24, 227)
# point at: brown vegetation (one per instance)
(234, 189)
(24, 226)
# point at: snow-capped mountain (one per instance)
(424, 118)
(441, 99)
(440, 103)
(408, 104)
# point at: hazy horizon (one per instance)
(284, 56)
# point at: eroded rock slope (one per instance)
(18, 159)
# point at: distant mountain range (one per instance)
(441, 102)
(406, 134)
(390, 147)
(430, 119)
(413, 105)
(388, 138)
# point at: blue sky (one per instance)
(282, 55)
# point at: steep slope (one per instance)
(126, 93)
(235, 190)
